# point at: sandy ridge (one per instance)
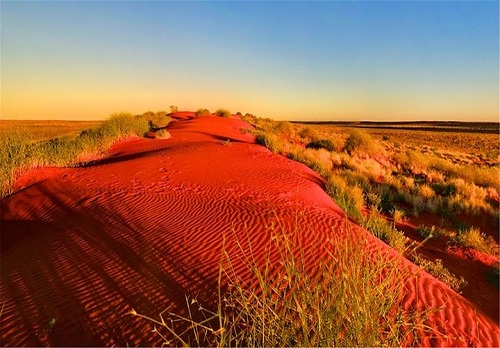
(143, 228)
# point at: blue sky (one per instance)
(334, 60)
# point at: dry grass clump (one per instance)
(284, 128)
(473, 238)
(360, 142)
(158, 119)
(308, 134)
(269, 140)
(203, 112)
(352, 297)
(317, 160)
(397, 216)
(379, 227)
(427, 232)
(322, 144)
(349, 198)
(223, 113)
(438, 270)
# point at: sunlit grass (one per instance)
(349, 297)
(19, 153)
(361, 176)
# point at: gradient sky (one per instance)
(338, 60)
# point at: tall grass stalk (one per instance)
(350, 297)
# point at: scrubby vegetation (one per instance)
(352, 298)
(438, 270)
(18, 153)
(372, 180)
(428, 232)
(475, 239)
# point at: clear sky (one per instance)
(331, 60)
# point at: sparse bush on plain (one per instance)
(284, 128)
(308, 133)
(223, 113)
(359, 141)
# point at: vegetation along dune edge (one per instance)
(184, 224)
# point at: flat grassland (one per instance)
(479, 141)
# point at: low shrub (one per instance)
(381, 229)
(203, 112)
(438, 270)
(493, 275)
(428, 232)
(444, 189)
(284, 128)
(387, 198)
(326, 144)
(308, 133)
(359, 141)
(269, 140)
(475, 239)
(223, 113)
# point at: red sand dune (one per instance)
(144, 227)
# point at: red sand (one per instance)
(144, 227)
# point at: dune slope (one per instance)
(143, 228)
